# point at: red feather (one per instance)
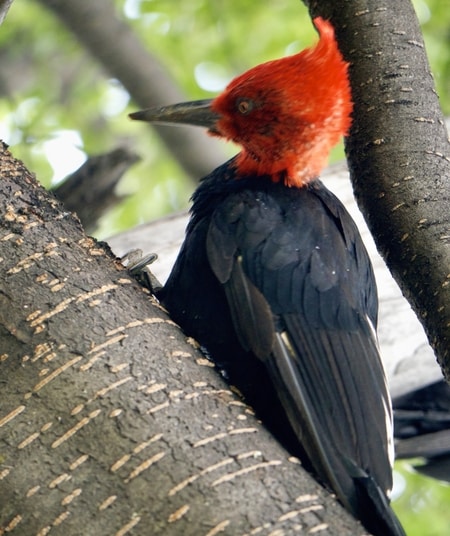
(287, 114)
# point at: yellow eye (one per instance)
(244, 106)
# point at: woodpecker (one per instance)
(274, 281)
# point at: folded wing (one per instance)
(302, 297)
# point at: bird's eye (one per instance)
(244, 106)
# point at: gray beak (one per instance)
(197, 113)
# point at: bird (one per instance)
(274, 281)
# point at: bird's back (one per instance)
(276, 283)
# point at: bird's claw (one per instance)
(138, 267)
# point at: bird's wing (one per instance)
(302, 297)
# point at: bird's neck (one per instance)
(295, 168)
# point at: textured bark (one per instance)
(398, 152)
(114, 45)
(110, 422)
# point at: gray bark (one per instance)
(110, 421)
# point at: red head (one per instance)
(287, 114)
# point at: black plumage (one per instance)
(276, 283)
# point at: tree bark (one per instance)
(115, 46)
(110, 421)
(398, 153)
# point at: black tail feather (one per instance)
(372, 505)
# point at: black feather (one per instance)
(277, 284)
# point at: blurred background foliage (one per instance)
(57, 106)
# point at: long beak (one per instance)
(197, 113)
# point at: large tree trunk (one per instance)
(110, 421)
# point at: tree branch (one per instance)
(398, 152)
(110, 421)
